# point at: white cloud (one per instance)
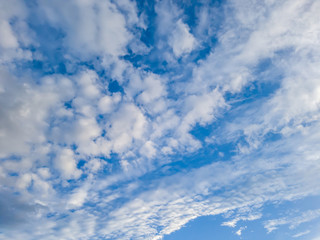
(167, 13)
(182, 41)
(153, 89)
(148, 150)
(86, 129)
(202, 108)
(295, 103)
(300, 234)
(24, 181)
(66, 163)
(239, 232)
(209, 190)
(25, 111)
(294, 221)
(107, 103)
(87, 82)
(173, 32)
(126, 125)
(233, 222)
(8, 40)
(92, 27)
(15, 33)
(78, 198)
(44, 172)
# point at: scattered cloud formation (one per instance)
(128, 119)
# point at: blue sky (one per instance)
(159, 119)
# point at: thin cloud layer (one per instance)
(128, 120)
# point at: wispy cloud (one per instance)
(293, 222)
(301, 234)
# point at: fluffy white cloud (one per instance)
(66, 163)
(14, 31)
(107, 103)
(182, 41)
(92, 27)
(126, 125)
(8, 40)
(25, 110)
(173, 31)
(153, 89)
(78, 198)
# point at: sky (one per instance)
(164, 119)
